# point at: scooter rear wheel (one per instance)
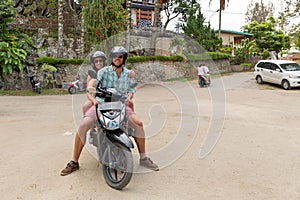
(72, 90)
(201, 82)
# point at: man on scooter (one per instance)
(113, 76)
(203, 73)
(116, 76)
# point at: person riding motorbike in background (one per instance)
(203, 74)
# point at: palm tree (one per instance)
(128, 21)
(155, 27)
(222, 7)
(60, 28)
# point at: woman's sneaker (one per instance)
(71, 167)
(147, 162)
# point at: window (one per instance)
(273, 66)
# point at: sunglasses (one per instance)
(118, 56)
(98, 61)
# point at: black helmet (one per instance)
(97, 54)
(119, 50)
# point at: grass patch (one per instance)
(180, 79)
(54, 91)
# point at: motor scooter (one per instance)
(75, 87)
(204, 80)
(111, 138)
(35, 84)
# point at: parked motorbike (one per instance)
(35, 84)
(75, 87)
(112, 138)
(204, 80)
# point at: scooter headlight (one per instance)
(112, 125)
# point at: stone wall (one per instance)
(145, 72)
(161, 71)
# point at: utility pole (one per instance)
(220, 14)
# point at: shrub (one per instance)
(208, 56)
(55, 61)
(135, 59)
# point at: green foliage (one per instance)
(55, 61)
(244, 51)
(267, 37)
(49, 82)
(6, 13)
(194, 27)
(265, 54)
(246, 64)
(48, 68)
(11, 55)
(13, 47)
(31, 93)
(218, 55)
(208, 56)
(103, 19)
(136, 59)
(227, 50)
(239, 56)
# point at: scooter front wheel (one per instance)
(118, 171)
(72, 90)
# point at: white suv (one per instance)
(283, 72)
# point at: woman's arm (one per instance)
(91, 91)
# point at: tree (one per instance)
(267, 37)
(287, 20)
(154, 28)
(196, 28)
(292, 8)
(174, 8)
(103, 19)
(259, 12)
(222, 7)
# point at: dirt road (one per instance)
(256, 156)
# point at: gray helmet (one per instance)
(119, 50)
(97, 54)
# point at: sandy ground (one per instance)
(257, 155)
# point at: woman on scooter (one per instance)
(98, 60)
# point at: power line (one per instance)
(233, 13)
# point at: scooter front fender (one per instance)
(120, 137)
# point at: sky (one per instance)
(233, 17)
